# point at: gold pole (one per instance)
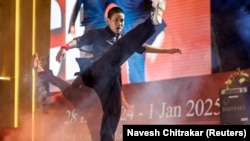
(17, 51)
(33, 73)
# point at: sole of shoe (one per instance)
(158, 12)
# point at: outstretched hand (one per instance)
(60, 55)
(174, 50)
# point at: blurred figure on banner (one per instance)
(91, 14)
(136, 12)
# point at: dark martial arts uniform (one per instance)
(104, 76)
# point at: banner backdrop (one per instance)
(179, 89)
(182, 18)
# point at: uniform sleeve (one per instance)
(141, 50)
(86, 39)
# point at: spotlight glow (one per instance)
(5, 78)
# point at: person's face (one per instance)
(116, 22)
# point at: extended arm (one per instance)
(74, 14)
(151, 49)
(63, 49)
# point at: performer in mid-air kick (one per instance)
(103, 76)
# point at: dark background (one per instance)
(230, 33)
